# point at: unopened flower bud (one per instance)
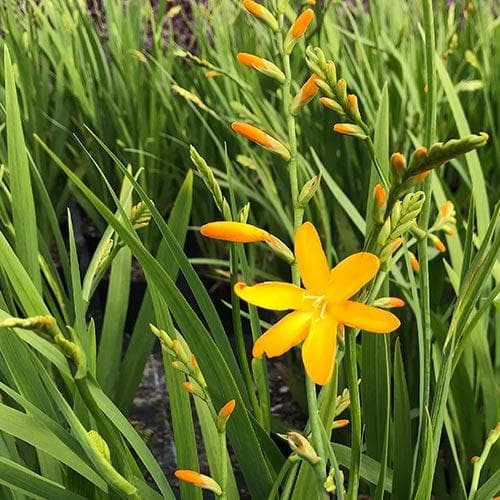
(260, 12)
(298, 29)
(385, 232)
(302, 447)
(280, 249)
(261, 65)
(438, 244)
(224, 414)
(329, 103)
(308, 190)
(260, 137)
(331, 73)
(236, 232)
(415, 265)
(341, 92)
(353, 108)
(305, 94)
(325, 88)
(398, 165)
(417, 159)
(350, 129)
(200, 480)
(194, 389)
(390, 248)
(380, 204)
(339, 424)
(389, 302)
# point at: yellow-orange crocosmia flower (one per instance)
(318, 308)
(237, 232)
(302, 22)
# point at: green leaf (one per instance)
(23, 205)
(424, 488)
(402, 443)
(21, 479)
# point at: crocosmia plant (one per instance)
(249, 249)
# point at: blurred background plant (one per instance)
(146, 80)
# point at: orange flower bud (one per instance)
(353, 108)
(211, 73)
(193, 477)
(188, 387)
(379, 194)
(227, 409)
(423, 175)
(415, 265)
(237, 232)
(349, 129)
(389, 302)
(194, 362)
(298, 29)
(339, 424)
(305, 94)
(439, 245)
(264, 140)
(259, 11)
(262, 65)
(447, 209)
(474, 459)
(398, 164)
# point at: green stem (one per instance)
(352, 379)
(223, 465)
(317, 438)
(430, 133)
(298, 214)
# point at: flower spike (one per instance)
(264, 140)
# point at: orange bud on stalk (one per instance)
(258, 136)
(193, 477)
(298, 29)
(211, 73)
(302, 22)
(389, 302)
(227, 409)
(439, 245)
(415, 265)
(446, 209)
(380, 196)
(339, 424)
(305, 94)
(262, 65)
(259, 11)
(237, 232)
(352, 106)
(349, 129)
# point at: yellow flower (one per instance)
(318, 308)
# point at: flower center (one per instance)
(319, 303)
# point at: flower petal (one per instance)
(271, 295)
(319, 349)
(351, 274)
(311, 259)
(282, 336)
(366, 317)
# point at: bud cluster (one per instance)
(208, 177)
(401, 219)
(140, 215)
(446, 221)
(335, 93)
(183, 361)
(196, 100)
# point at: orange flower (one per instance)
(237, 232)
(258, 136)
(319, 307)
(262, 65)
